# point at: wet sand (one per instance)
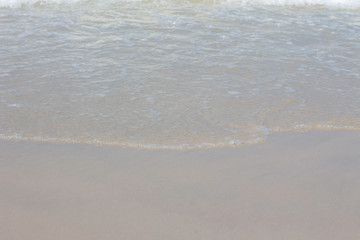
(294, 186)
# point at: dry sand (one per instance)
(295, 186)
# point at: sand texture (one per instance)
(296, 186)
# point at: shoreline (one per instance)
(298, 185)
(179, 147)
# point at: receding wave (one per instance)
(183, 76)
(347, 4)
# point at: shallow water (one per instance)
(177, 74)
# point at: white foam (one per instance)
(347, 4)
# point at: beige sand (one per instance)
(295, 186)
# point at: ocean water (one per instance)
(177, 74)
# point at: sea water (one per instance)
(177, 74)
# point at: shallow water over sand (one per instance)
(176, 74)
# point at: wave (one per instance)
(342, 4)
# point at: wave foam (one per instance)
(347, 4)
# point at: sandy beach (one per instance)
(179, 120)
(294, 186)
